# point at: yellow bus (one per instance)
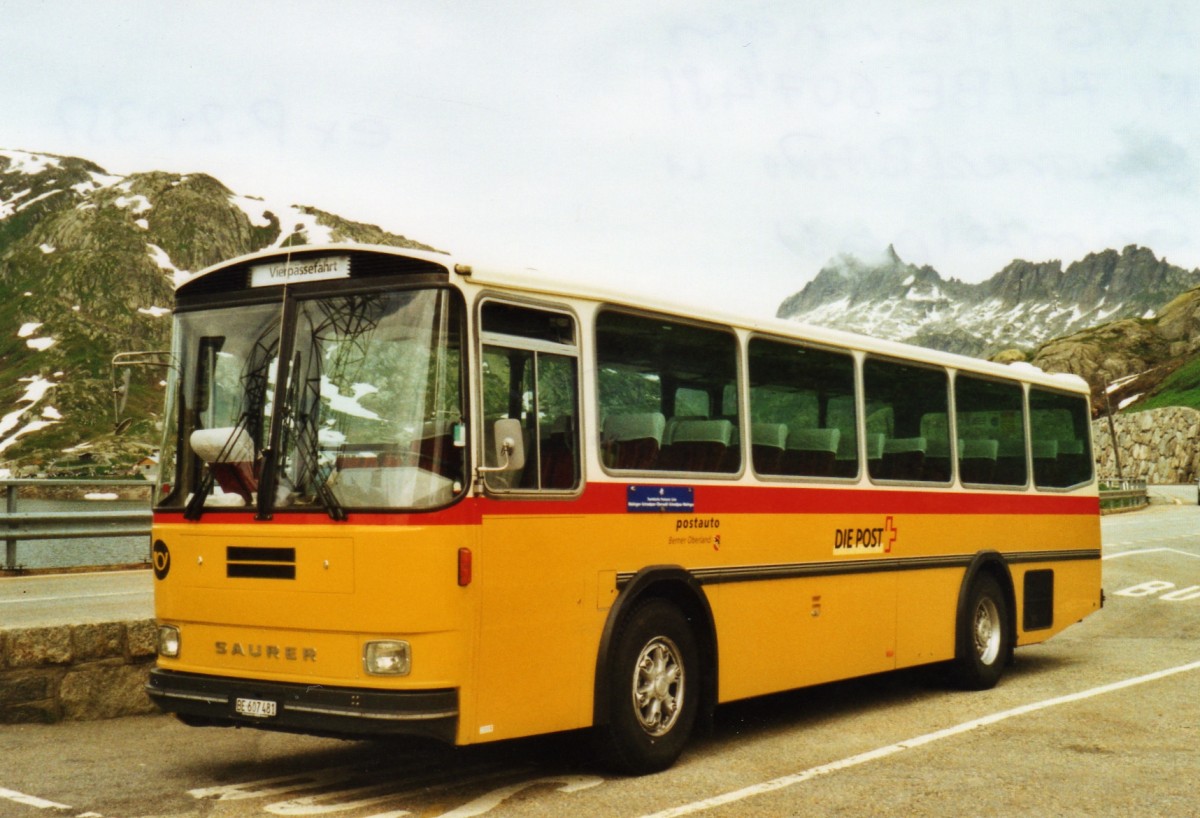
(404, 495)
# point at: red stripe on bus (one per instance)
(611, 498)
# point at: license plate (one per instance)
(258, 708)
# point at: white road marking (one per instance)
(30, 800)
(486, 803)
(1151, 551)
(25, 600)
(919, 741)
(316, 804)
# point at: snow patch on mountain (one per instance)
(29, 163)
(291, 219)
(160, 258)
(1024, 305)
(136, 203)
(35, 391)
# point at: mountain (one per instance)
(1137, 363)
(1024, 305)
(88, 262)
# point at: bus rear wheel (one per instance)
(652, 691)
(984, 636)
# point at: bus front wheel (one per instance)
(984, 637)
(652, 691)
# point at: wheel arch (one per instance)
(991, 563)
(677, 586)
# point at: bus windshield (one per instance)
(331, 403)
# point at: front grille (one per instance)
(256, 562)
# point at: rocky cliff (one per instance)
(1137, 363)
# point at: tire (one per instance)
(652, 692)
(984, 641)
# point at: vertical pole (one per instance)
(1112, 433)
(10, 543)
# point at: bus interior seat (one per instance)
(673, 423)
(357, 459)
(767, 441)
(845, 462)
(936, 468)
(632, 441)
(558, 454)
(811, 452)
(903, 458)
(697, 445)
(731, 461)
(1010, 463)
(1045, 466)
(229, 453)
(977, 460)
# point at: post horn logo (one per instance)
(161, 557)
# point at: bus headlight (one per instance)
(387, 658)
(168, 641)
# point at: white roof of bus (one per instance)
(537, 282)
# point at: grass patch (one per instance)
(1180, 388)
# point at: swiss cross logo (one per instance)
(891, 532)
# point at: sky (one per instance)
(717, 152)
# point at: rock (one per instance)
(104, 691)
(31, 647)
(93, 641)
(1010, 356)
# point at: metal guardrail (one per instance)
(1122, 495)
(16, 525)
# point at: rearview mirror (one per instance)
(510, 445)
(509, 442)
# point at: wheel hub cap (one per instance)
(658, 686)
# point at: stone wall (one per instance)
(1160, 446)
(75, 672)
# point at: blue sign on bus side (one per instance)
(661, 498)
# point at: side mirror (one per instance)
(510, 448)
(510, 445)
(120, 386)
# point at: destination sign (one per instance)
(295, 271)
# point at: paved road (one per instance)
(62, 599)
(1102, 720)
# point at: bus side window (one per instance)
(802, 410)
(908, 405)
(530, 373)
(990, 417)
(1060, 439)
(668, 395)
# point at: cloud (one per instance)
(1155, 161)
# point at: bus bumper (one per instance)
(346, 712)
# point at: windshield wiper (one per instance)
(308, 449)
(298, 435)
(195, 504)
